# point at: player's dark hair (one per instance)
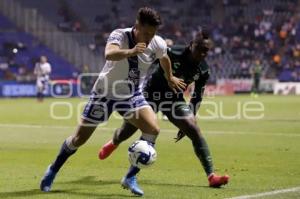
(148, 16)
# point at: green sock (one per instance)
(202, 151)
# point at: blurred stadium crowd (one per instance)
(243, 31)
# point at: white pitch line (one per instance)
(280, 191)
(33, 126)
(43, 126)
(162, 130)
(251, 133)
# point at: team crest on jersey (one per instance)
(176, 65)
(134, 73)
(152, 56)
(196, 77)
(134, 76)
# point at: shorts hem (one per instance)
(135, 109)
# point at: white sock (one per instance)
(149, 137)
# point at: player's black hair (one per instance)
(148, 16)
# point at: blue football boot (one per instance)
(131, 184)
(47, 180)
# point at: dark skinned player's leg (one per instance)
(187, 124)
(120, 135)
(123, 133)
(184, 119)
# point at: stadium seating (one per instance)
(29, 49)
(243, 31)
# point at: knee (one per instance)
(156, 130)
(192, 131)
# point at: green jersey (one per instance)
(257, 70)
(183, 67)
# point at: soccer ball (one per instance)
(141, 154)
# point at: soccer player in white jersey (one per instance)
(42, 71)
(129, 53)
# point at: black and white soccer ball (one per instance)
(141, 154)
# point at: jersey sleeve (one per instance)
(161, 47)
(116, 37)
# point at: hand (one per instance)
(138, 48)
(176, 84)
(179, 136)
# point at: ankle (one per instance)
(113, 144)
(209, 176)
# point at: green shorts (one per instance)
(175, 107)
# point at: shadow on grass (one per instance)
(36, 192)
(90, 181)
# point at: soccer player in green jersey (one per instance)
(256, 71)
(188, 63)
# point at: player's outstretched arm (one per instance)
(173, 82)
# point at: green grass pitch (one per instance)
(260, 155)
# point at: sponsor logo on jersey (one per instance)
(176, 65)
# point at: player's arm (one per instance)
(113, 51)
(173, 82)
(165, 62)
